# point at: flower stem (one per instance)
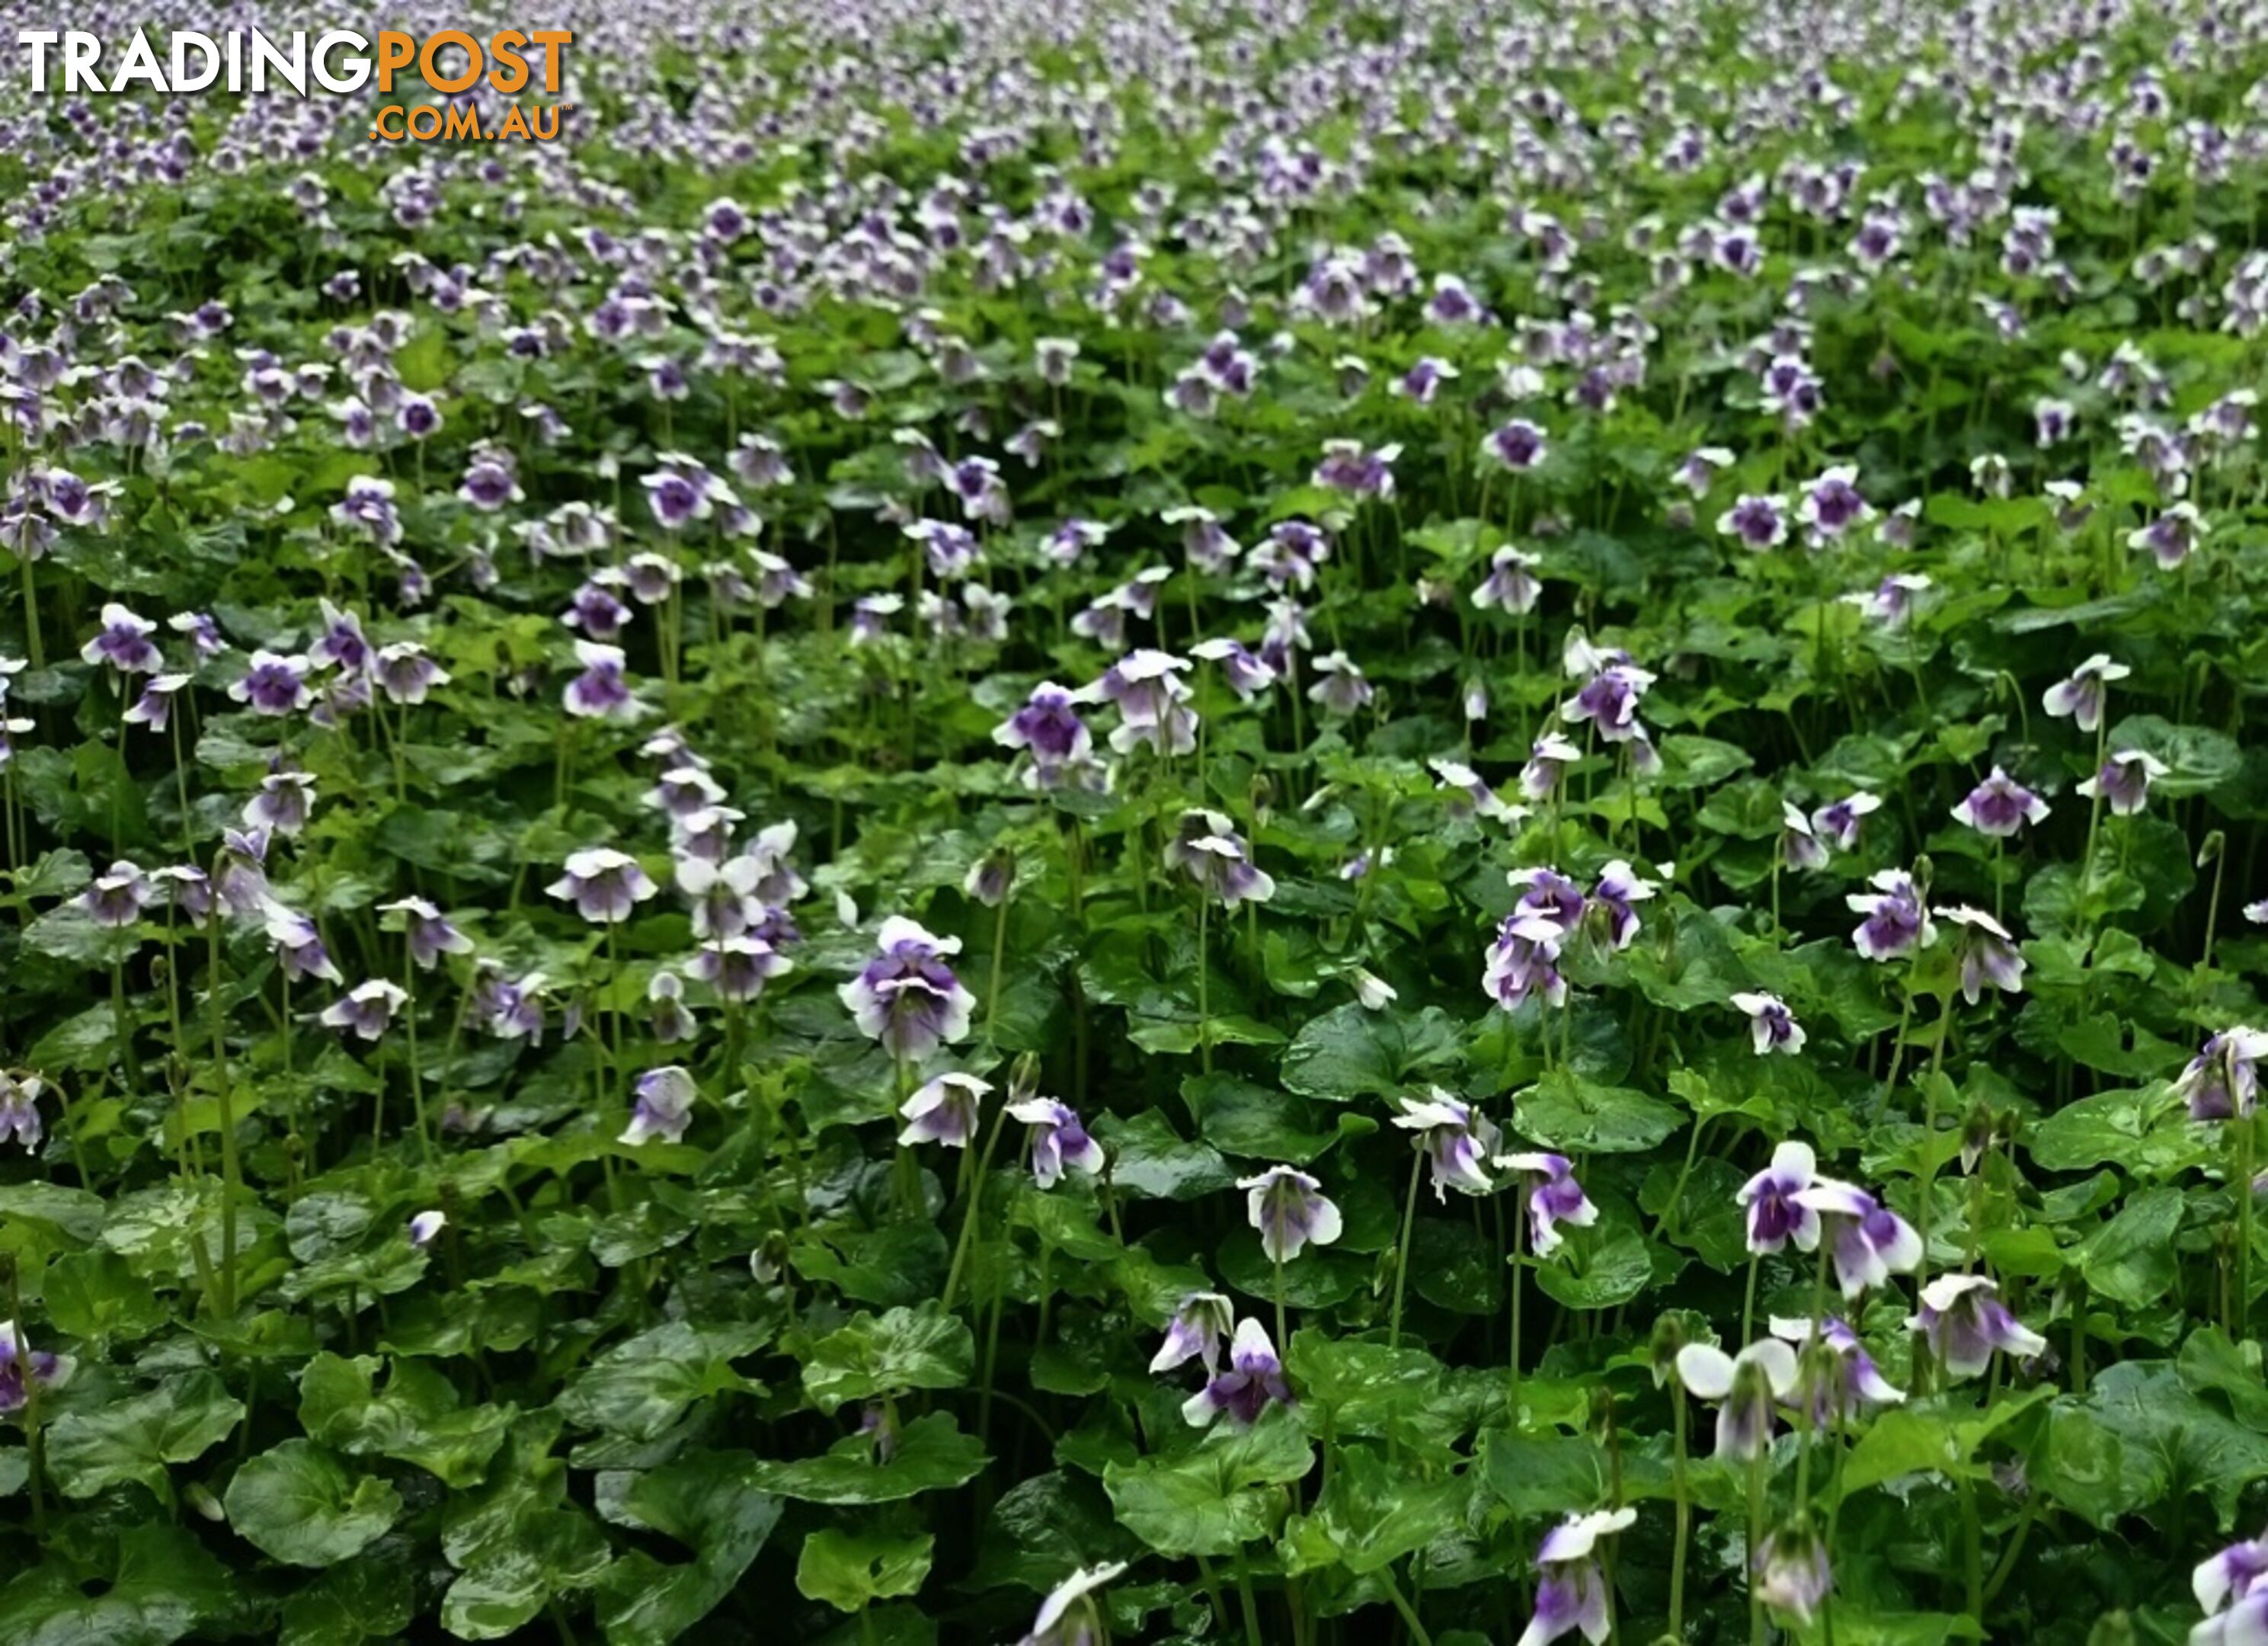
(1401, 1252)
(232, 1169)
(1519, 1241)
(1759, 1629)
(2243, 1124)
(1678, 1486)
(969, 1216)
(1204, 999)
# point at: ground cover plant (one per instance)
(1305, 825)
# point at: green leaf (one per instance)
(1548, 1474)
(849, 1570)
(371, 1596)
(2169, 1435)
(1216, 1497)
(2131, 1259)
(416, 1420)
(639, 1388)
(902, 1350)
(1351, 1052)
(1575, 1116)
(711, 1504)
(159, 1586)
(93, 1449)
(2210, 1361)
(931, 1455)
(1375, 1513)
(1152, 1160)
(549, 1552)
(97, 1295)
(302, 1505)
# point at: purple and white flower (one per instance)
(366, 1009)
(1841, 1385)
(1871, 1242)
(1458, 1140)
(1964, 1321)
(1060, 1140)
(605, 886)
(1070, 1615)
(1206, 846)
(2222, 1081)
(600, 691)
(1547, 1184)
(1253, 1379)
(19, 1363)
(664, 1108)
(1747, 1389)
(1772, 1025)
(1839, 821)
(19, 1109)
(1772, 1199)
(907, 997)
(1986, 951)
(1791, 1572)
(2124, 781)
(272, 684)
(1999, 807)
(1570, 1592)
(123, 642)
(1200, 1321)
(1288, 1208)
(1896, 924)
(428, 933)
(944, 1110)
(2081, 696)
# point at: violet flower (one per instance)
(154, 708)
(1547, 758)
(1547, 1184)
(117, 897)
(664, 1107)
(1986, 952)
(1999, 807)
(123, 642)
(1458, 1140)
(1511, 585)
(1288, 1208)
(1772, 1025)
(1619, 889)
(1896, 924)
(1524, 961)
(1747, 1389)
(1793, 1574)
(907, 997)
(600, 691)
(19, 1109)
(2124, 781)
(299, 945)
(605, 886)
(738, 967)
(2222, 1082)
(2231, 1575)
(1871, 1242)
(425, 1227)
(1206, 846)
(1253, 1378)
(366, 1009)
(1201, 1319)
(428, 933)
(1059, 1141)
(1843, 1383)
(2081, 696)
(46, 1370)
(1777, 1214)
(272, 684)
(1839, 820)
(1070, 1615)
(1570, 1592)
(1964, 1320)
